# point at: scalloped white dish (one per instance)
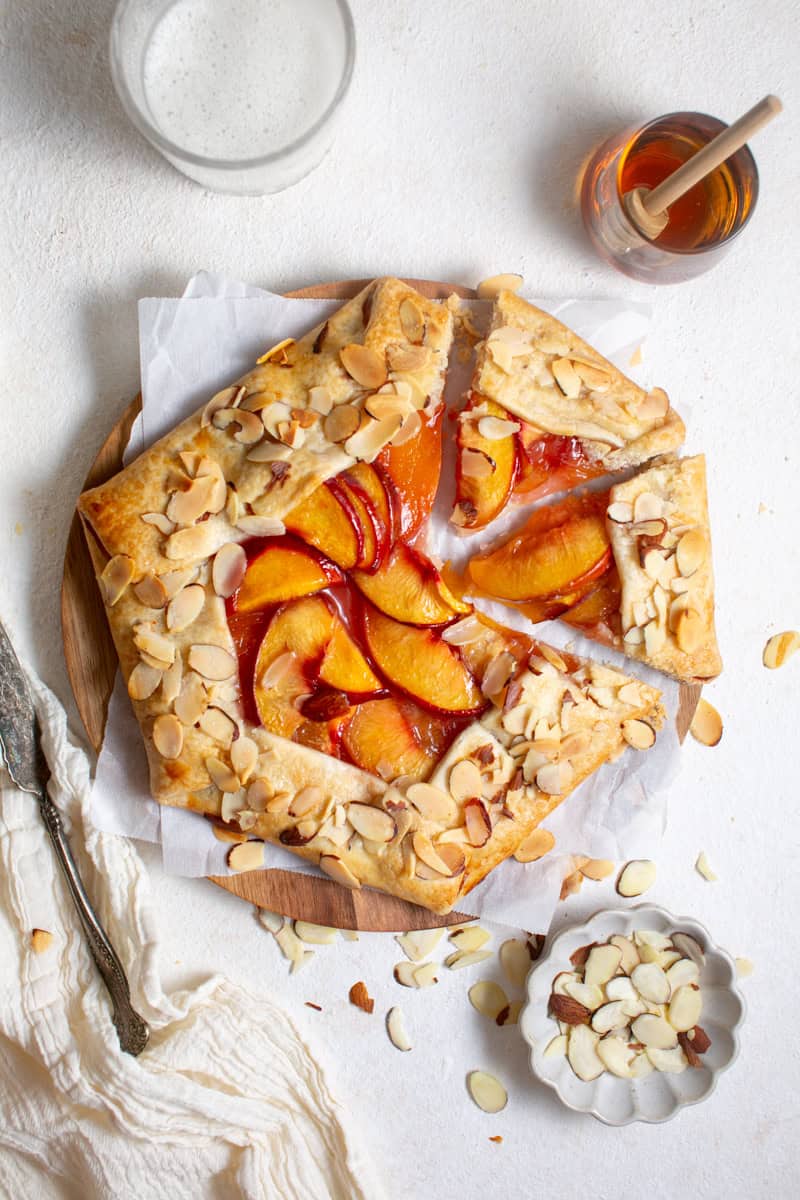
(657, 1097)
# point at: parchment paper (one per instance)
(192, 346)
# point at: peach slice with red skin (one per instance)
(344, 666)
(412, 471)
(368, 482)
(417, 662)
(408, 586)
(600, 604)
(368, 520)
(394, 737)
(479, 500)
(327, 520)
(549, 463)
(281, 572)
(557, 552)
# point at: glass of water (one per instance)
(240, 95)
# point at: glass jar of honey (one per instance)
(702, 223)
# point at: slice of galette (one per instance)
(630, 567)
(547, 412)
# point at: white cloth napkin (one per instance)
(226, 1100)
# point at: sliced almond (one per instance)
(567, 1010)
(487, 1091)
(426, 975)
(185, 608)
(648, 507)
(315, 935)
(638, 734)
(555, 779)
(689, 947)
(333, 866)
(433, 803)
(780, 648)
(744, 968)
(690, 552)
(116, 575)
(636, 877)
(689, 631)
(217, 725)
(589, 995)
(478, 822)
(363, 364)
(212, 662)
(654, 1031)
(620, 988)
(582, 1053)
(229, 397)
(277, 352)
(306, 801)
(41, 940)
(247, 426)
(601, 964)
(557, 1048)
(195, 542)
(143, 681)
(192, 700)
(535, 846)
(685, 1008)
(593, 376)
(671, 1061)
(150, 592)
(630, 955)
(228, 835)
(567, 378)
(244, 756)
(498, 673)
(247, 856)
(651, 937)
(703, 867)
(465, 781)
(425, 852)
(466, 958)
(493, 429)
(155, 645)
(407, 358)
(405, 974)
(597, 868)
(615, 1056)
(475, 464)
(488, 998)
(515, 959)
(227, 572)
(411, 321)
(222, 775)
(419, 943)
(706, 726)
(410, 428)
(490, 289)
(258, 793)
(161, 522)
(372, 823)
(395, 1027)
(278, 669)
(470, 937)
(651, 982)
(608, 1016)
(681, 973)
(620, 512)
(360, 997)
(370, 438)
(174, 581)
(654, 405)
(341, 423)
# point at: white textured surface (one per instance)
(457, 157)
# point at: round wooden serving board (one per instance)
(92, 666)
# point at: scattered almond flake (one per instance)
(636, 358)
(168, 736)
(228, 835)
(471, 937)
(150, 592)
(217, 725)
(315, 935)
(556, 1048)
(706, 726)
(744, 967)
(248, 856)
(161, 522)
(476, 464)
(487, 1091)
(405, 974)
(372, 823)
(257, 526)
(571, 885)
(360, 997)
(278, 351)
(348, 935)
(228, 569)
(515, 959)
(510, 1014)
(780, 648)
(490, 289)
(638, 734)
(292, 948)
(338, 871)
(601, 964)
(115, 578)
(597, 868)
(274, 922)
(703, 867)
(396, 1029)
(535, 846)
(212, 662)
(466, 958)
(488, 998)
(655, 1031)
(41, 940)
(143, 681)
(582, 1053)
(636, 877)
(419, 943)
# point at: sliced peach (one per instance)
(550, 463)
(345, 667)
(420, 664)
(480, 498)
(288, 658)
(408, 586)
(413, 472)
(599, 604)
(364, 478)
(325, 521)
(530, 567)
(368, 521)
(381, 737)
(282, 572)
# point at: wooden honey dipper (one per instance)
(649, 210)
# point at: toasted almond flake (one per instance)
(634, 636)
(453, 856)
(279, 803)
(706, 726)
(41, 940)
(227, 572)
(555, 779)
(535, 846)
(582, 1053)
(744, 968)
(469, 937)
(567, 378)
(689, 631)
(258, 793)
(217, 725)
(407, 358)
(195, 542)
(780, 648)
(115, 577)
(653, 1031)
(228, 835)
(433, 803)
(498, 673)
(222, 775)
(411, 321)
(360, 997)
(654, 405)
(244, 756)
(192, 700)
(487, 1091)
(409, 429)
(594, 376)
(620, 512)
(363, 364)
(515, 959)
(387, 404)
(636, 877)
(648, 507)
(488, 998)
(490, 289)
(186, 507)
(212, 662)
(396, 1029)
(501, 354)
(277, 669)
(597, 868)
(143, 681)
(185, 608)
(493, 429)
(703, 867)
(228, 398)
(333, 867)
(341, 423)
(405, 974)
(155, 645)
(255, 526)
(690, 552)
(552, 656)
(371, 822)
(371, 436)
(419, 943)
(638, 734)
(291, 433)
(601, 965)
(557, 1048)
(248, 856)
(150, 592)
(478, 823)
(168, 735)
(160, 520)
(426, 853)
(463, 632)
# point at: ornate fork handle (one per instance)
(132, 1029)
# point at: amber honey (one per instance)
(701, 223)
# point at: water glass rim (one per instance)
(172, 149)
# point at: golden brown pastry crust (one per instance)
(620, 423)
(667, 603)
